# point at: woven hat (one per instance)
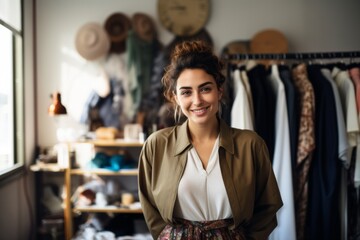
(237, 46)
(269, 41)
(117, 26)
(91, 41)
(144, 26)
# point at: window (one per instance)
(6, 100)
(11, 88)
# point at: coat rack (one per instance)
(302, 56)
(293, 56)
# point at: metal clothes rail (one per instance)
(293, 56)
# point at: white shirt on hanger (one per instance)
(348, 99)
(241, 115)
(286, 229)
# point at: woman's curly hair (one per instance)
(191, 55)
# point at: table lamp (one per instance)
(56, 107)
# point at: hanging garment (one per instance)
(264, 105)
(153, 100)
(355, 77)
(286, 228)
(240, 112)
(346, 85)
(293, 108)
(228, 97)
(344, 150)
(348, 101)
(323, 221)
(354, 72)
(139, 64)
(344, 146)
(347, 93)
(306, 145)
(115, 67)
(109, 108)
(245, 81)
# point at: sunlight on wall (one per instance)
(77, 81)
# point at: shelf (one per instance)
(109, 209)
(114, 143)
(46, 167)
(118, 145)
(104, 172)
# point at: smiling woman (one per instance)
(202, 179)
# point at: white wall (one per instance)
(308, 25)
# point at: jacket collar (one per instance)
(182, 138)
(226, 139)
(183, 141)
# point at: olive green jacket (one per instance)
(245, 166)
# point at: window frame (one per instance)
(18, 168)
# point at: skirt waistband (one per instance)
(206, 225)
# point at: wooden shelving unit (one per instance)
(40, 169)
(115, 143)
(130, 172)
(69, 173)
(72, 172)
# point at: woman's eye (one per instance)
(185, 93)
(205, 89)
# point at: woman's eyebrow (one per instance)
(200, 86)
(204, 84)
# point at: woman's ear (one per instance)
(221, 93)
(176, 100)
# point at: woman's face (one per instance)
(198, 95)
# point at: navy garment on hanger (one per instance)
(109, 108)
(323, 220)
(264, 101)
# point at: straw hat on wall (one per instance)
(91, 41)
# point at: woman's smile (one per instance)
(200, 111)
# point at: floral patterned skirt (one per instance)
(194, 230)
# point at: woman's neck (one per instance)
(199, 132)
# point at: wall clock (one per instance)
(183, 17)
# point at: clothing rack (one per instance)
(306, 56)
(293, 56)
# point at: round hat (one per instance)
(237, 46)
(91, 41)
(269, 41)
(144, 26)
(117, 26)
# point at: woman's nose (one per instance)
(197, 99)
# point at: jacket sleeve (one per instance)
(152, 216)
(267, 198)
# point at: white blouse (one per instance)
(201, 194)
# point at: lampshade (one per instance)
(56, 106)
